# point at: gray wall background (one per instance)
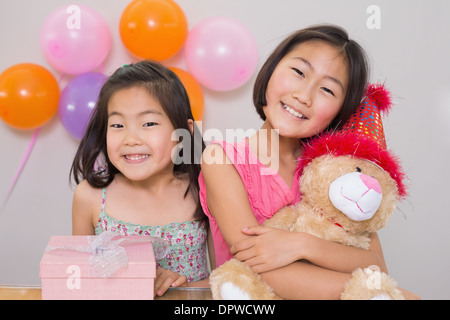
(409, 53)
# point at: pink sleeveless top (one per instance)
(266, 189)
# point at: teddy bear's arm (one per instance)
(320, 226)
(334, 233)
(284, 219)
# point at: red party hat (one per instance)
(366, 121)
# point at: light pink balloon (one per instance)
(221, 53)
(75, 39)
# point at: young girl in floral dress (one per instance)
(145, 189)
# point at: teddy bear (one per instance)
(350, 186)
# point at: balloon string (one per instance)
(22, 164)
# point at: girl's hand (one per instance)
(267, 249)
(167, 278)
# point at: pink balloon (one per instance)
(75, 39)
(221, 53)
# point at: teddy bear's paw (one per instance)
(236, 281)
(371, 284)
(228, 282)
(229, 291)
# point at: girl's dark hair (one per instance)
(167, 88)
(337, 37)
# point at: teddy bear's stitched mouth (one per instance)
(355, 197)
(354, 201)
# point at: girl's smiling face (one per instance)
(139, 135)
(306, 90)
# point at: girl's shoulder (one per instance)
(86, 193)
(215, 153)
(228, 163)
(85, 208)
(85, 187)
(223, 152)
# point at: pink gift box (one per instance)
(67, 274)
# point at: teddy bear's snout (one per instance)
(356, 195)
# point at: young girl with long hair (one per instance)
(149, 185)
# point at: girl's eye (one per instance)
(116, 125)
(328, 91)
(150, 124)
(299, 72)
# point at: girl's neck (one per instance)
(276, 152)
(155, 184)
(153, 202)
(285, 147)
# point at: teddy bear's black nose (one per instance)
(358, 169)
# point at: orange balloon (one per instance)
(153, 29)
(29, 96)
(194, 91)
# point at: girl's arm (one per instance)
(227, 198)
(302, 280)
(342, 258)
(268, 250)
(86, 203)
(211, 252)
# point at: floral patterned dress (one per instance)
(187, 255)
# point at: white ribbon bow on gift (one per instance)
(108, 255)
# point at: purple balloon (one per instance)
(78, 100)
